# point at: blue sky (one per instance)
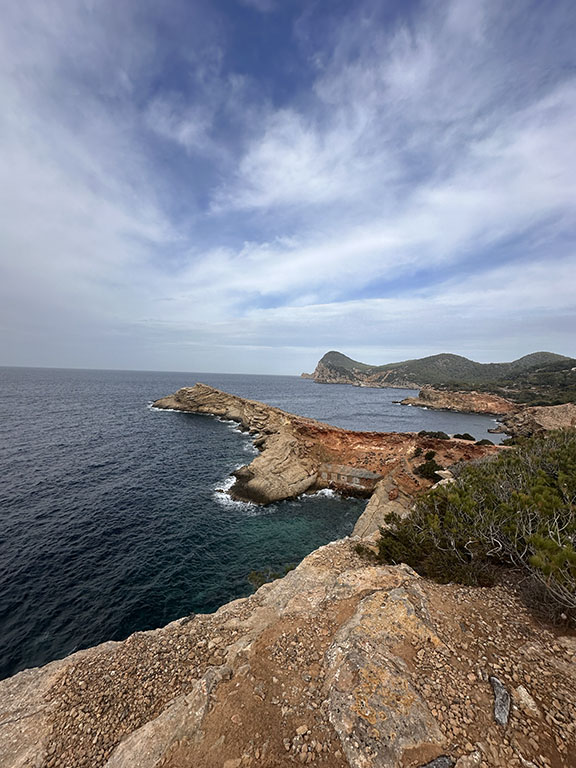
(241, 185)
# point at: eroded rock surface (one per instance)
(463, 402)
(299, 454)
(537, 419)
(340, 664)
(394, 493)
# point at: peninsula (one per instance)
(343, 663)
(301, 455)
(541, 378)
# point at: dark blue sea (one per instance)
(110, 516)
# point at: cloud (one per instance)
(410, 168)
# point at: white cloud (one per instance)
(412, 151)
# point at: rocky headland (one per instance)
(541, 378)
(300, 455)
(325, 373)
(342, 663)
(537, 370)
(536, 419)
(463, 402)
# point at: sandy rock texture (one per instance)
(463, 402)
(294, 449)
(536, 419)
(340, 664)
(394, 493)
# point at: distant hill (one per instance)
(540, 376)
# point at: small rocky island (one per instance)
(343, 663)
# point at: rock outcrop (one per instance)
(340, 664)
(329, 374)
(536, 419)
(463, 402)
(395, 493)
(300, 455)
(540, 371)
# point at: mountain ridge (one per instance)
(538, 373)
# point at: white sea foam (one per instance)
(328, 493)
(159, 410)
(226, 485)
(222, 496)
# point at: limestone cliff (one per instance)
(300, 455)
(463, 402)
(340, 664)
(531, 421)
(330, 374)
(542, 376)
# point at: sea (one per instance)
(114, 517)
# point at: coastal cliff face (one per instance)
(300, 455)
(329, 374)
(463, 402)
(532, 421)
(341, 664)
(539, 377)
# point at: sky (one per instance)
(243, 185)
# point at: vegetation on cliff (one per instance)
(516, 510)
(541, 378)
(551, 384)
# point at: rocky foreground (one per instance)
(339, 664)
(463, 402)
(300, 455)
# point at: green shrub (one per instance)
(437, 435)
(418, 451)
(518, 509)
(464, 436)
(429, 455)
(485, 441)
(429, 470)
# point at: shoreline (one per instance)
(299, 455)
(341, 662)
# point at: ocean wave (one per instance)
(328, 493)
(226, 484)
(163, 410)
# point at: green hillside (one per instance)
(538, 377)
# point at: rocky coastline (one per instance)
(341, 663)
(536, 419)
(462, 402)
(300, 455)
(325, 374)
